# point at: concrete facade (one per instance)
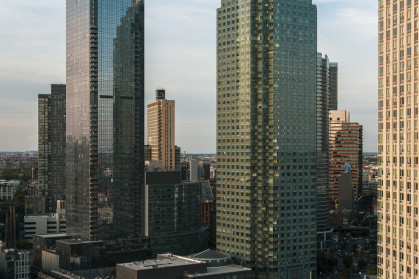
(345, 147)
(161, 131)
(398, 179)
(45, 224)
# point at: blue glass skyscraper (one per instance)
(105, 119)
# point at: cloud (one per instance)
(347, 32)
(180, 56)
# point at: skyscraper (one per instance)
(266, 135)
(327, 80)
(398, 224)
(161, 130)
(51, 146)
(323, 102)
(345, 147)
(105, 116)
(333, 83)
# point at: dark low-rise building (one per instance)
(55, 254)
(174, 218)
(213, 265)
(44, 242)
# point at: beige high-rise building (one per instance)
(398, 223)
(161, 130)
(345, 147)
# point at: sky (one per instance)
(180, 56)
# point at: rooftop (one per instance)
(221, 270)
(210, 255)
(162, 263)
(52, 235)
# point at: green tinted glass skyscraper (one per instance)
(105, 119)
(51, 147)
(266, 135)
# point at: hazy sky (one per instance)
(180, 57)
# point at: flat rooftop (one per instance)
(52, 235)
(210, 255)
(227, 269)
(163, 263)
(77, 241)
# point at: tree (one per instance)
(347, 261)
(23, 244)
(332, 261)
(19, 195)
(372, 271)
(362, 264)
(27, 175)
(354, 246)
(345, 274)
(322, 265)
(325, 262)
(9, 174)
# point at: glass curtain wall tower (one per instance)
(266, 135)
(105, 119)
(323, 101)
(51, 146)
(333, 84)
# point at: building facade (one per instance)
(54, 223)
(266, 135)
(212, 265)
(14, 264)
(105, 119)
(323, 107)
(345, 146)
(51, 145)
(398, 226)
(174, 219)
(333, 84)
(161, 131)
(7, 191)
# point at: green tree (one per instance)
(354, 246)
(325, 262)
(23, 244)
(27, 175)
(9, 174)
(19, 195)
(362, 264)
(332, 261)
(372, 271)
(347, 261)
(345, 274)
(322, 265)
